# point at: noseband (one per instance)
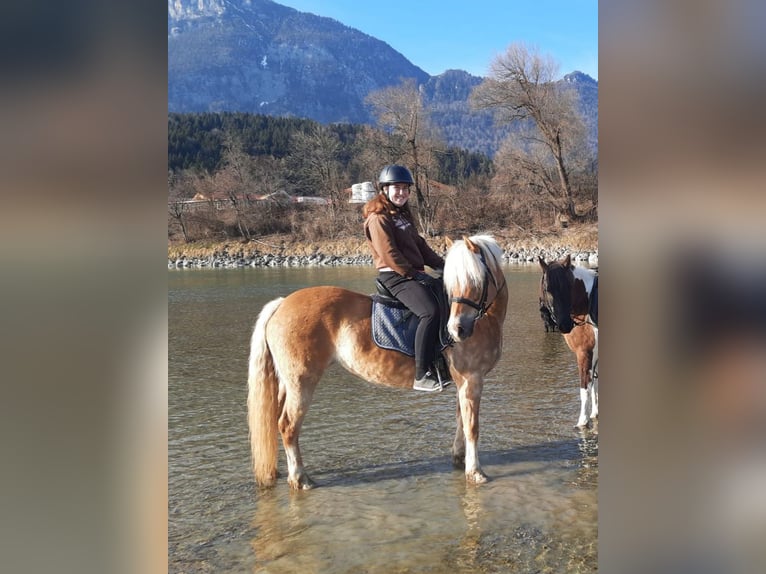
(482, 306)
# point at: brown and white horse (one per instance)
(297, 337)
(568, 291)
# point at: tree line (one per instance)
(543, 174)
(196, 143)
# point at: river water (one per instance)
(389, 500)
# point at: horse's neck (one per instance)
(580, 301)
(587, 277)
(499, 306)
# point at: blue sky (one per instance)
(438, 35)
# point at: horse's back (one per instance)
(326, 299)
(318, 325)
(318, 313)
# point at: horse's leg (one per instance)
(290, 422)
(586, 387)
(458, 445)
(594, 397)
(594, 377)
(298, 397)
(470, 399)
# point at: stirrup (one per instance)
(442, 370)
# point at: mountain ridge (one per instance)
(259, 56)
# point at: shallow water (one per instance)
(389, 499)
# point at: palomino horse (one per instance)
(572, 291)
(297, 337)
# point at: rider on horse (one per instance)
(400, 255)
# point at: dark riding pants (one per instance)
(422, 303)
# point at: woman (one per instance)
(400, 255)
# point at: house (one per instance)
(311, 200)
(221, 200)
(362, 192)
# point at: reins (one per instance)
(587, 321)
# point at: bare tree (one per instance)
(180, 189)
(315, 165)
(399, 109)
(521, 89)
(366, 155)
(235, 179)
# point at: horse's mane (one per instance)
(587, 276)
(463, 267)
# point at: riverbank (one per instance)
(284, 251)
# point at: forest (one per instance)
(239, 176)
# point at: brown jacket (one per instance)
(394, 241)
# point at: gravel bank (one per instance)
(238, 258)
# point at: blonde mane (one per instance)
(463, 268)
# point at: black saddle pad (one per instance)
(393, 325)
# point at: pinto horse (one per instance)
(570, 294)
(297, 337)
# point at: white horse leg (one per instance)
(473, 471)
(296, 474)
(594, 378)
(594, 398)
(582, 421)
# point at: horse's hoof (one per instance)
(476, 477)
(582, 426)
(301, 483)
(458, 460)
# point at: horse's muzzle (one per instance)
(565, 324)
(461, 327)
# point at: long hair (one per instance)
(381, 204)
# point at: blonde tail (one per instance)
(262, 401)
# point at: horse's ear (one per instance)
(543, 264)
(448, 241)
(567, 261)
(470, 245)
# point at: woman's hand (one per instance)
(425, 279)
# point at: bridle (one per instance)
(546, 300)
(482, 306)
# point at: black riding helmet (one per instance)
(394, 174)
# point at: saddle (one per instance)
(394, 325)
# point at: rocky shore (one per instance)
(284, 250)
(237, 258)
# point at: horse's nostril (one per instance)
(460, 331)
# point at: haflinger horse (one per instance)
(297, 337)
(572, 290)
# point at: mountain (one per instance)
(587, 90)
(261, 57)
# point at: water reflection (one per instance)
(470, 543)
(389, 498)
